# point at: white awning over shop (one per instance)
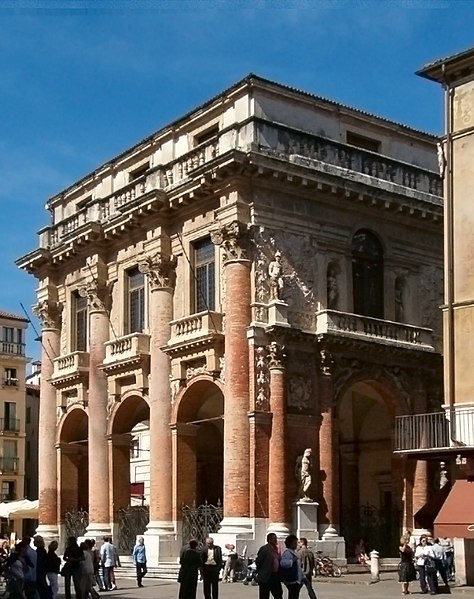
(17, 510)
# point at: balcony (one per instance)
(365, 328)
(12, 349)
(70, 366)
(7, 497)
(127, 353)
(9, 425)
(430, 433)
(203, 330)
(9, 465)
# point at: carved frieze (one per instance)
(49, 313)
(326, 362)
(276, 355)
(160, 270)
(300, 391)
(262, 379)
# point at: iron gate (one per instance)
(200, 522)
(380, 528)
(76, 523)
(132, 522)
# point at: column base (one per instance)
(235, 525)
(279, 528)
(97, 530)
(49, 532)
(162, 545)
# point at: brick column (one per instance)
(49, 312)
(237, 394)
(278, 511)
(329, 448)
(98, 295)
(161, 277)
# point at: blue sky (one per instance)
(81, 81)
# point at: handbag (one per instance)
(430, 565)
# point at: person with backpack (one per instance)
(291, 573)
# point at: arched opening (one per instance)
(369, 492)
(74, 463)
(367, 274)
(199, 444)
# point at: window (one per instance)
(10, 456)
(9, 334)
(135, 448)
(10, 377)
(136, 301)
(354, 139)
(139, 172)
(204, 265)
(8, 490)
(9, 412)
(206, 135)
(80, 320)
(367, 274)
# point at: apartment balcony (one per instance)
(128, 353)
(12, 349)
(374, 330)
(9, 465)
(70, 368)
(8, 497)
(9, 425)
(450, 432)
(201, 330)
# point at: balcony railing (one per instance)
(439, 430)
(127, 348)
(15, 349)
(7, 496)
(71, 365)
(9, 464)
(365, 327)
(196, 325)
(11, 425)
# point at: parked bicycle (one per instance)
(324, 566)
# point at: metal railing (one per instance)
(8, 464)
(9, 425)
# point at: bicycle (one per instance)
(324, 566)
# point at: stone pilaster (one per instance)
(49, 312)
(98, 294)
(277, 484)
(329, 446)
(233, 240)
(160, 271)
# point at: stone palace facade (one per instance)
(261, 276)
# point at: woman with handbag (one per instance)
(426, 566)
(406, 568)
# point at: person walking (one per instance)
(53, 565)
(73, 556)
(41, 555)
(406, 569)
(110, 559)
(307, 566)
(191, 564)
(425, 565)
(290, 568)
(267, 563)
(231, 561)
(139, 560)
(440, 562)
(211, 557)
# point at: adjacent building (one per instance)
(259, 277)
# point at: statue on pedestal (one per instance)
(275, 275)
(303, 472)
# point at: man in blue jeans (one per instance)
(307, 565)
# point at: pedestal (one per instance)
(162, 545)
(306, 519)
(278, 313)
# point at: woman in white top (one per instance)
(425, 564)
(290, 567)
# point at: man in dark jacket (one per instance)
(268, 565)
(307, 565)
(211, 558)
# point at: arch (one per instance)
(198, 442)
(132, 409)
(73, 426)
(367, 274)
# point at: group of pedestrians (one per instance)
(429, 558)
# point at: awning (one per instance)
(17, 510)
(456, 517)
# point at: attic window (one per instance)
(206, 135)
(354, 139)
(139, 172)
(81, 203)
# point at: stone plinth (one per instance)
(306, 519)
(278, 313)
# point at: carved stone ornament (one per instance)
(234, 240)
(98, 294)
(326, 362)
(299, 393)
(160, 269)
(276, 355)
(261, 379)
(49, 313)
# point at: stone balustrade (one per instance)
(264, 137)
(365, 327)
(196, 325)
(71, 365)
(127, 348)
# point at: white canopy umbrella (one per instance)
(16, 510)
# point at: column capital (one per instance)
(234, 240)
(276, 356)
(160, 270)
(49, 312)
(98, 294)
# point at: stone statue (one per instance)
(443, 475)
(275, 272)
(303, 471)
(399, 306)
(332, 289)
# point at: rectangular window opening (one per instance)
(360, 141)
(204, 268)
(136, 301)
